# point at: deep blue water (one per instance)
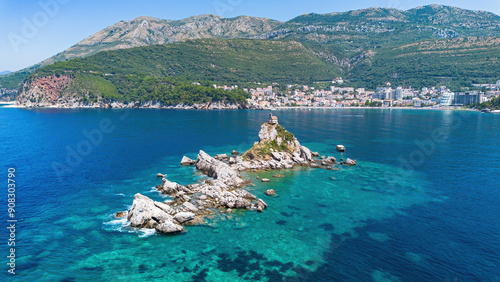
(423, 203)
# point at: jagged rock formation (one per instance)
(276, 149)
(193, 202)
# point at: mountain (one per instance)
(166, 73)
(349, 31)
(350, 42)
(144, 31)
(5, 72)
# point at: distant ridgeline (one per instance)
(427, 46)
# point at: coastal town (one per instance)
(335, 95)
(329, 94)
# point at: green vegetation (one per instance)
(165, 73)
(494, 104)
(283, 134)
(452, 62)
(262, 150)
(13, 80)
(234, 61)
(92, 87)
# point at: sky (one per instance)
(34, 30)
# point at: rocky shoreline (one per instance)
(220, 105)
(276, 149)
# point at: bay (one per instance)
(421, 205)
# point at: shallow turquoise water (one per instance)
(433, 217)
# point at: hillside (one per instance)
(164, 73)
(348, 41)
(452, 62)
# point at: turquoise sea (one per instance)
(423, 203)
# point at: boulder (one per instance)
(120, 214)
(350, 162)
(189, 206)
(331, 160)
(183, 217)
(169, 227)
(315, 154)
(218, 170)
(341, 148)
(143, 210)
(265, 180)
(220, 157)
(230, 200)
(270, 192)
(278, 175)
(170, 188)
(277, 156)
(165, 207)
(305, 153)
(234, 152)
(245, 194)
(187, 161)
(260, 205)
(160, 175)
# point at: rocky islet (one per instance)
(276, 149)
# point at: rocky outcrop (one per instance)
(193, 201)
(350, 162)
(260, 205)
(276, 149)
(187, 161)
(171, 188)
(267, 133)
(270, 192)
(145, 213)
(218, 170)
(184, 217)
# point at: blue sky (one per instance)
(32, 31)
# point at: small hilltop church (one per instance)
(272, 119)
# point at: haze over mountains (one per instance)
(369, 46)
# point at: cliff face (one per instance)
(43, 92)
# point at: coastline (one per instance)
(9, 105)
(222, 107)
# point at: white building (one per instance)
(447, 99)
